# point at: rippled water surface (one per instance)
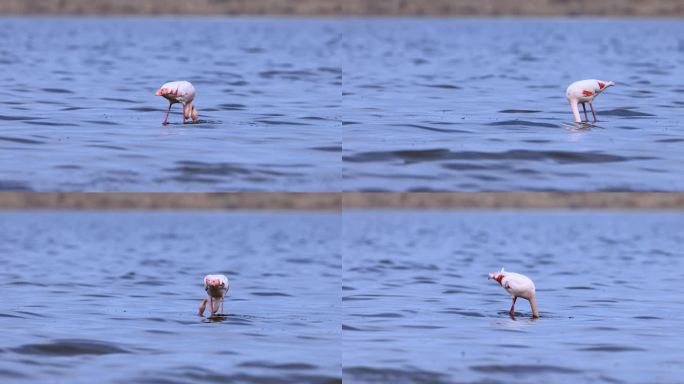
(473, 105)
(78, 111)
(113, 297)
(418, 308)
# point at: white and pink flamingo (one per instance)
(518, 286)
(584, 91)
(216, 287)
(181, 92)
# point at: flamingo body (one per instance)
(182, 92)
(216, 287)
(517, 285)
(585, 91)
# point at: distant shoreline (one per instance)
(334, 201)
(346, 8)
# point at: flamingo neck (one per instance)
(533, 305)
(499, 279)
(575, 111)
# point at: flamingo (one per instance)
(216, 286)
(584, 91)
(518, 286)
(179, 92)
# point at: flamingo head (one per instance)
(498, 276)
(605, 84)
(215, 287)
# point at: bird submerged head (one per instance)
(190, 111)
(214, 286)
(498, 276)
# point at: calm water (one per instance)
(480, 104)
(78, 111)
(418, 308)
(113, 297)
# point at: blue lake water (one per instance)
(78, 111)
(418, 308)
(113, 297)
(479, 105)
(449, 105)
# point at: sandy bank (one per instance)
(335, 201)
(444, 8)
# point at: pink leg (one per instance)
(512, 311)
(166, 119)
(592, 111)
(584, 107)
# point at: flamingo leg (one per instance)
(202, 306)
(512, 311)
(166, 119)
(222, 305)
(584, 107)
(592, 111)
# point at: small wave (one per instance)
(464, 313)
(70, 347)
(279, 122)
(346, 327)
(433, 129)
(522, 123)
(7, 373)
(102, 122)
(624, 112)
(441, 86)
(20, 140)
(611, 348)
(17, 118)
(118, 100)
(285, 366)
(439, 154)
(50, 123)
(270, 294)
(383, 315)
(56, 90)
(392, 375)
(202, 375)
(12, 185)
(289, 75)
(232, 107)
(13, 316)
(328, 149)
(418, 326)
(523, 369)
(519, 111)
(146, 109)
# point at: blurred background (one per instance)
(644, 8)
(337, 201)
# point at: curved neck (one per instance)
(575, 111)
(533, 304)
